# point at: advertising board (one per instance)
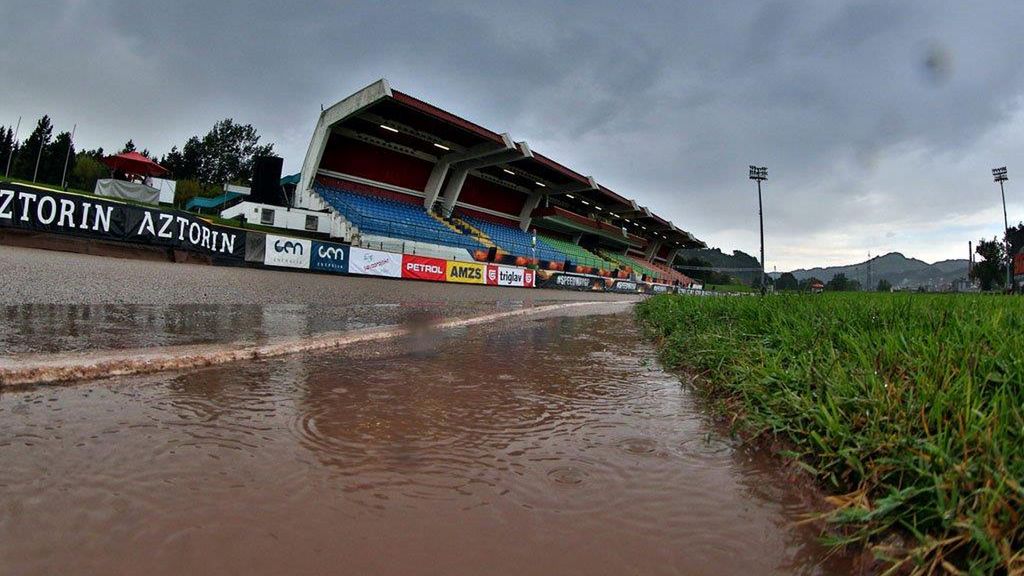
(374, 263)
(327, 257)
(464, 272)
(423, 268)
(287, 252)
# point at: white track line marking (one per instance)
(52, 368)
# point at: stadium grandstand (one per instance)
(396, 173)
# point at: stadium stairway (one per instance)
(514, 241)
(471, 230)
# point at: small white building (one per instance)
(281, 217)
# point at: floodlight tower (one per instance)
(760, 173)
(999, 175)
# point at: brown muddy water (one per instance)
(549, 446)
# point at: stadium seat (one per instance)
(383, 217)
(512, 240)
(578, 255)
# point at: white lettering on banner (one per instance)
(6, 198)
(102, 221)
(287, 252)
(67, 210)
(422, 268)
(147, 224)
(49, 217)
(182, 224)
(577, 281)
(84, 224)
(26, 203)
(330, 252)
(165, 226)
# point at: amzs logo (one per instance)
(329, 252)
(466, 272)
(288, 247)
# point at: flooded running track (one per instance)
(548, 446)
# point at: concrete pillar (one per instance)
(531, 204)
(652, 250)
(433, 188)
(453, 189)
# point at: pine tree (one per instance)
(25, 161)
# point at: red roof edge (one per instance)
(448, 117)
(560, 168)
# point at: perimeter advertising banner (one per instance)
(37, 209)
(374, 263)
(423, 268)
(625, 287)
(568, 281)
(287, 252)
(660, 289)
(509, 276)
(327, 257)
(464, 272)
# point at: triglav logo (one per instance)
(492, 275)
(288, 247)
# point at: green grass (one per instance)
(728, 287)
(908, 408)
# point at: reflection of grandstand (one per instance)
(398, 173)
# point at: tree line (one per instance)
(201, 166)
(990, 271)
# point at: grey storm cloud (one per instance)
(878, 120)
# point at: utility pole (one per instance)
(760, 173)
(14, 143)
(869, 288)
(999, 175)
(67, 156)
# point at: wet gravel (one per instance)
(34, 276)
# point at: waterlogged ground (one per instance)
(533, 447)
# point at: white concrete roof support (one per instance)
(331, 116)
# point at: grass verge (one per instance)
(908, 408)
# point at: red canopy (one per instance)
(134, 163)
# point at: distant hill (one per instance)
(719, 259)
(900, 271)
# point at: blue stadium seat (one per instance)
(514, 241)
(393, 219)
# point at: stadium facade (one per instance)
(404, 175)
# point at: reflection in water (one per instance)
(549, 446)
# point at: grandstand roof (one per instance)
(402, 123)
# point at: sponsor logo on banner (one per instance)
(529, 277)
(329, 257)
(423, 268)
(567, 281)
(465, 272)
(507, 276)
(57, 212)
(572, 281)
(624, 286)
(660, 289)
(287, 252)
(374, 263)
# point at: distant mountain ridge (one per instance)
(900, 271)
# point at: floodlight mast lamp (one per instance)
(760, 173)
(999, 175)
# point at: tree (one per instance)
(787, 282)
(25, 162)
(1015, 236)
(129, 146)
(991, 271)
(884, 286)
(6, 145)
(88, 169)
(51, 169)
(227, 153)
(840, 283)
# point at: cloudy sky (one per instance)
(878, 121)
